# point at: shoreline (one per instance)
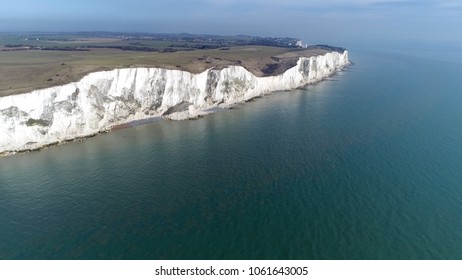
(159, 118)
(186, 111)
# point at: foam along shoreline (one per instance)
(103, 100)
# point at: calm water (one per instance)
(367, 165)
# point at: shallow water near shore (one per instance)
(365, 165)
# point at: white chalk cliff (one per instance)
(102, 100)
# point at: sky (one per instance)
(314, 21)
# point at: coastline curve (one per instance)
(103, 100)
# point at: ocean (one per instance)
(365, 165)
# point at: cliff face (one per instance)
(103, 99)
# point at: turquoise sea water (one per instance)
(366, 165)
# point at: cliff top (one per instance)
(24, 68)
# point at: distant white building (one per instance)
(300, 44)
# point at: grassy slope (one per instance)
(24, 71)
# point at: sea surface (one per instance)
(365, 165)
